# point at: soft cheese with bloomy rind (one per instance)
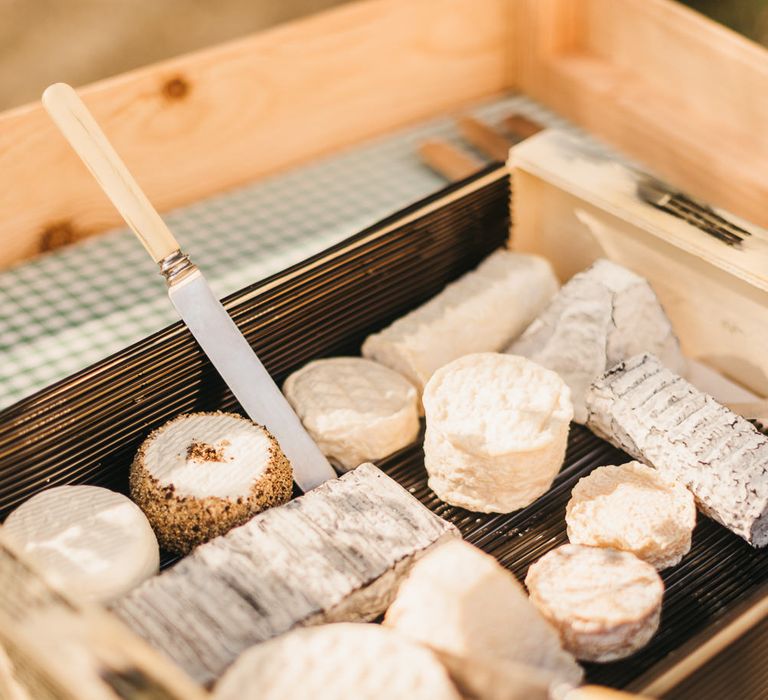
(482, 311)
(87, 540)
(600, 317)
(335, 554)
(356, 410)
(459, 601)
(661, 419)
(605, 603)
(634, 508)
(497, 429)
(200, 474)
(343, 661)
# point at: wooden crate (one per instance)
(681, 94)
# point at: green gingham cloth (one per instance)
(68, 309)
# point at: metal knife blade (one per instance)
(247, 378)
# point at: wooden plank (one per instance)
(682, 94)
(62, 650)
(447, 160)
(205, 122)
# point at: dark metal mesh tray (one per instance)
(86, 428)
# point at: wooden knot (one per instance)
(176, 88)
(57, 235)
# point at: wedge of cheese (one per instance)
(335, 554)
(483, 311)
(464, 605)
(344, 661)
(600, 317)
(659, 418)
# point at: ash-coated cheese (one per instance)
(659, 418)
(605, 603)
(463, 604)
(497, 429)
(335, 554)
(632, 507)
(483, 311)
(200, 474)
(600, 316)
(343, 661)
(88, 541)
(355, 409)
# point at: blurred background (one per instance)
(79, 41)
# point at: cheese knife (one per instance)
(203, 313)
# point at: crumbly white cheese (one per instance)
(497, 428)
(600, 317)
(243, 448)
(605, 603)
(632, 507)
(461, 602)
(482, 311)
(89, 541)
(658, 417)
(355, 409)
(344, 661)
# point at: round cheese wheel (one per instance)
(605, 603)
(88, 541)
(201, 474)
(344, 661)
(632, 507)
(355, 409)
(497, 429)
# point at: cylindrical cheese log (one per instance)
(462, 603)
(634, 508)
(344, 661)
(199, 475)
(600, 317)
(483, 311)
(355, 409)
(497, 429)
(659, 418)
(605, 603)
(89, 541)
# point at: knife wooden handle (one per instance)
(87, 139)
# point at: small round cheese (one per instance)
(355, 409)
(86, 540)
(497, 429)
(605, 603)
(201, 474)
(343, 661)
(632, 507)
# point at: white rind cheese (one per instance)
(460, 602)
(658, 417)
(632, 507)
(605, 603)
(483, 311)
(497, 430)
(355, 409)
(335, 554)
(600, 317)
(91, 542)
(344, 661)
